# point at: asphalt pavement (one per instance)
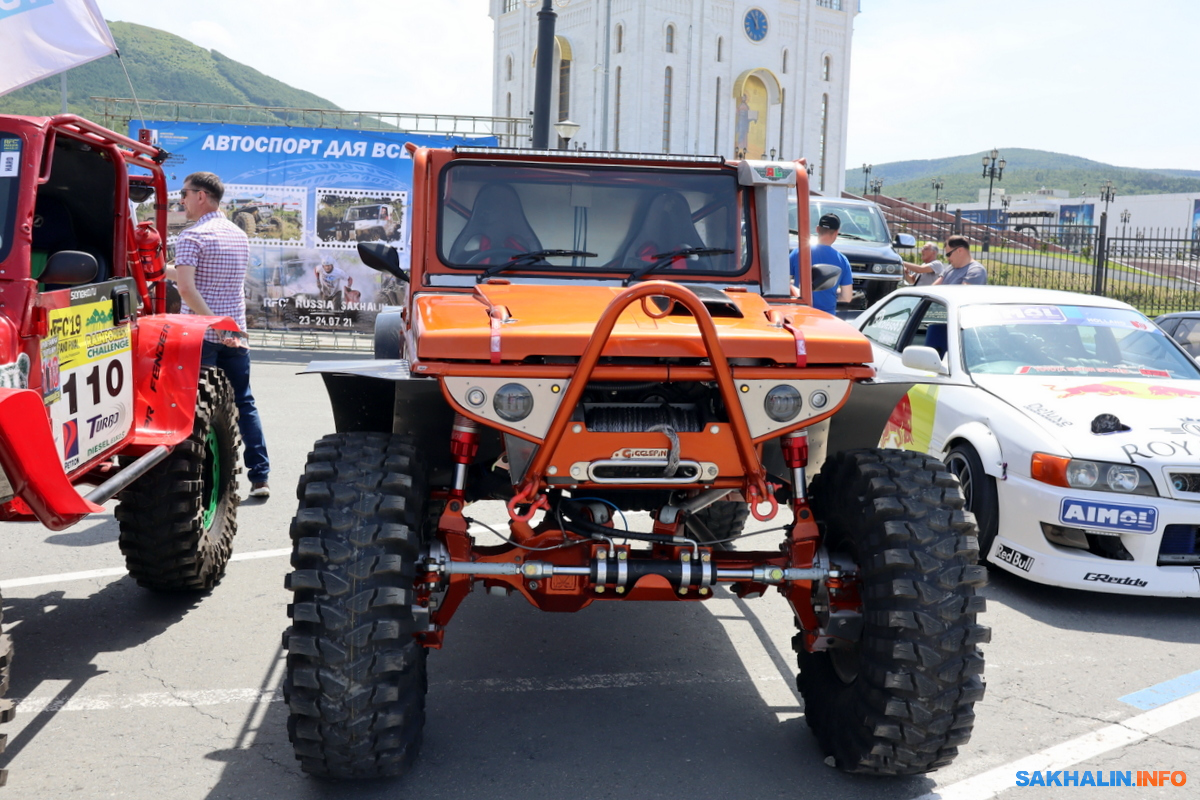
(128, 694)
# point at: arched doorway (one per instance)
(753, 93)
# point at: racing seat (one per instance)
(936, 337)
(666, 225)
(497, 222)
(1191, 342)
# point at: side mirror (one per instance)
(70, 268)
(825, 276)
(382, 258)
(905, 240)
(922, 358)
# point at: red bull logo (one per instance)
(1125, 389)
(898, 431)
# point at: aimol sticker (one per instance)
(1108, 516)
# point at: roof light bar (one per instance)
(519, 151)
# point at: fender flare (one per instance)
(167, 368)
(981, 437)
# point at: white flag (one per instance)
(40, 38)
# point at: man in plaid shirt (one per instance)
(210, 270)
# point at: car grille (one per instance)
(1180, 546)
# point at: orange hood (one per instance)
(543, 320)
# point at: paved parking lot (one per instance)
(133, 695)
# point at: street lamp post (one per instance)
(876, 185)
(1108, 193)
(866, 174)
(566, 130)
(938, 185)
(993, 170)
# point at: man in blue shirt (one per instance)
(823, 253)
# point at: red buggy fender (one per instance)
(30, 460)
(166, 361)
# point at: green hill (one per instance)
(162, 66)
(1025, 171)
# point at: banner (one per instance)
(305, 198)
(40, 38)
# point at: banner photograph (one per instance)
(305, 198)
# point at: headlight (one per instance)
(877, 268)
(513, 402)
(1096, 476)
(782, 403)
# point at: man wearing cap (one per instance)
(823, 253)
(928, 271)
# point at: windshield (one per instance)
(10, 175)
(1061, 341)
(624, 218)
(356, 213)
(863, 223)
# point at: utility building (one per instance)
(763, 79)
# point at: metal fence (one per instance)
(1155, 270)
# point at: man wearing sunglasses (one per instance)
(962, 268)
(210, 267)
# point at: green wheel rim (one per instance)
(211, 480)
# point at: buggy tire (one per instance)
(900, 700)
(245, 221)
(720, 521)
(7, 710)
(178, 520)
(355, 678)
(979, 489)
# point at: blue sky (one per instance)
(929, 78)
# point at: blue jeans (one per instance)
(235, 363)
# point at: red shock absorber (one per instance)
(795, 455)
(464, 444)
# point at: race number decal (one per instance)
(91, 408)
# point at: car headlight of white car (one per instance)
(1095, 476)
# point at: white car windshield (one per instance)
(1060, 341)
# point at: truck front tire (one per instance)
(900, 700)
(355, 680)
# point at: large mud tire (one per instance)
(900, 701)
(355, 680)
(178, 520)
(245, 221)
(720, 522)
(7, 711)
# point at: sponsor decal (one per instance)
(773, 173)
(1157, 449)
(1186, 425)
(70, 431)
(910, 426)
(1102, 577)
(1035, 313)
(1014, 557)
(1145, 391)
(641, 452)
(1053, 417)
(1111, 516)
(160, 350)
(1115, 777)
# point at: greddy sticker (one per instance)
(1014, 557)
(1108, 516)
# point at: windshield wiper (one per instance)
(856, 238)
(528, 258)
(662, 259)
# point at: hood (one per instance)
(868, 252)
(1163, 415)
(558, 320)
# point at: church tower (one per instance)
(757, 79)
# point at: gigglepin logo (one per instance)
(1161, 777)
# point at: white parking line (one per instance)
(1110, 737)
(112, 572)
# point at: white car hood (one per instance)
(1163, 415)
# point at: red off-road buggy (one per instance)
(99, 386)
(586, 333)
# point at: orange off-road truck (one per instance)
(102, 393)
(587, 334)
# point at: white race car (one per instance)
(1072, 421)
